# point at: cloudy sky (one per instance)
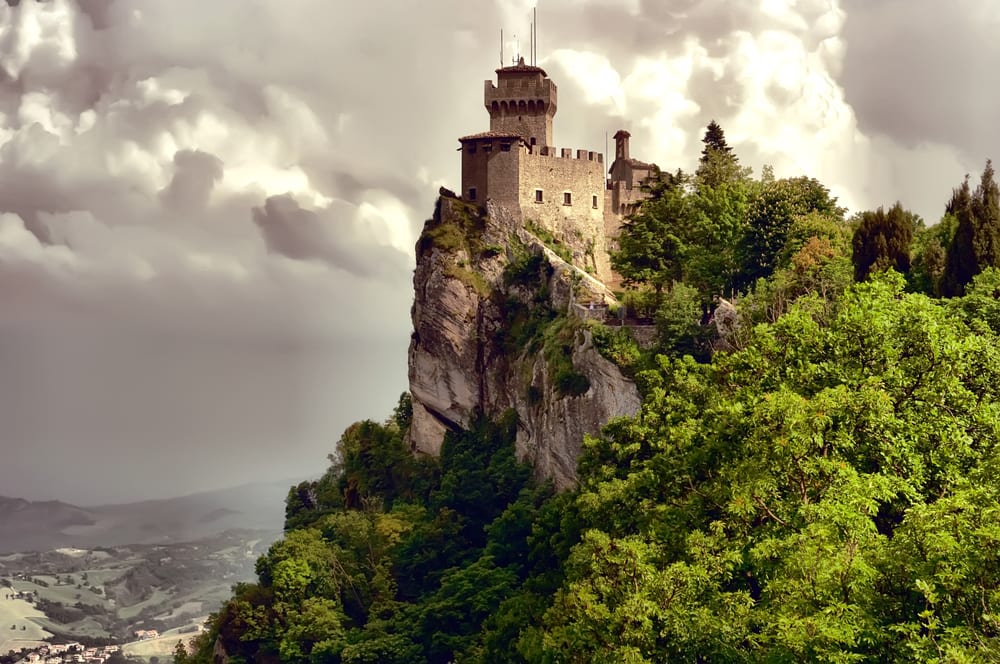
(208, 208)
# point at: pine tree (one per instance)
(715, 141)
(718, 164)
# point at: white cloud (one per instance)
(137, 140)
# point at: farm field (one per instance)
(63, 594)
(162, 647)
(111, 592)
(19, 613)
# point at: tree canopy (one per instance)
(815, 483)
(882, 241)
(976, 242)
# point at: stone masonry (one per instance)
(564, 191)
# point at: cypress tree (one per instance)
(882, 241)
(986, 211)
(976, 244)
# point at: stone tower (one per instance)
(621, 144)
(522, 102)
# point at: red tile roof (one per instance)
(492, 134)
(635, 163)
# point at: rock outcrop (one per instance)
(493, 331)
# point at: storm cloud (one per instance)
(208, 209)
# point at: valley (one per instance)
(140, 575)
(107, 594)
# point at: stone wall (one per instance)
(512, 178)
(625, 199)
(475, 163)
(579, 224)
(491, 170)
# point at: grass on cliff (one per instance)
(470, 278)
(461, 230)
(617, 345)
(559, 339)
(549, 240)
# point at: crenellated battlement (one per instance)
(569, 153)
(523, 101)
(565, 191)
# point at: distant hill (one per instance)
(112, 590)
(43, 525)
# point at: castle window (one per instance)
(472, 193)
(595, 201)
(532, 140)
(505, 147)
(538, 195)
(567, 198)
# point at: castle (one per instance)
(459, 365)
(567, 193)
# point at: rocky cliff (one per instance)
(494, 330)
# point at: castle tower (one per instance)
(621, 144)
(626, 178)
(522, 102)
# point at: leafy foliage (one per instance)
(651, 244)
(397, 559)
(771, 216)
(820, 495)
(823, 490)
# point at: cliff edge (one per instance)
(494, 330)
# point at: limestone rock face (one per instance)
(552, 429)
(480, 279)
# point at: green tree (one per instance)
(976, 243)
(650, 244)
(180, 653)
(770, 506)
(718, 163)
(986, 210)
(961, 262)
(678, 323)
(712, 237)
(882, 241)
(314, 633)
(771, 214)
(929, 250)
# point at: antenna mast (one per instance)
(531, 44)
(501, 47)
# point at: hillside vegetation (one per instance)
(100, 594)
(814, 481)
